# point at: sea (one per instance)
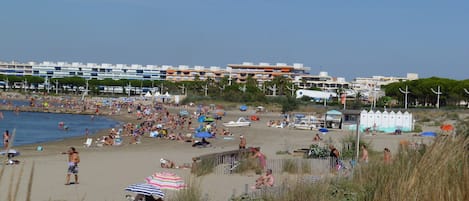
(37, 127)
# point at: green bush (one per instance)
(317, 152)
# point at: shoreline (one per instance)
(72, 139)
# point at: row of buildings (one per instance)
(238, 73)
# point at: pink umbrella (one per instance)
(166, 180)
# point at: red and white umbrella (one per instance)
(166, 180)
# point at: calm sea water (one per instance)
(32, 127)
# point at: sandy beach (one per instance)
(104, 172)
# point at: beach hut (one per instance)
(333, 119)
(385, 121)
(399, 119)
(377, 123)
(364, 119)
(371, 119)
(392, 119)
(407, 121)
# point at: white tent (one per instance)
(148, 94)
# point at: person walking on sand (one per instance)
(73, 160)
(364, 157)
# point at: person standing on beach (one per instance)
(387, 156)
(364, 157)
(258, 154)
(73, 160)
(242, 142)
(6, 139)
(334, 160)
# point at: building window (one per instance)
(94, 69)
(94, 74)
(49, 72)
(58, 68)
(139, 71)
(71, 73)
(36, 72)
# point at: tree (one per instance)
(289, 104)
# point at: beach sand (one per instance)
(104, 172)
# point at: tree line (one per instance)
(453, 92)
(421, 94)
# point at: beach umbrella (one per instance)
(323, 130)
(428, 134)
(446, 127)
(201, 119)
(10, 153)
(166, 180)
(203, 135)
(243, 108)
(145, 189)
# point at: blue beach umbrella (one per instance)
(201, 119)
(323, 130)
(203, 135)
(145, 189)
(428, 134)
(243, 108)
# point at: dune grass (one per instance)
(205, 166)
(438, 172)
(191, 193)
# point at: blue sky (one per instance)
(345, 38)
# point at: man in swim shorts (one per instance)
(73, 160)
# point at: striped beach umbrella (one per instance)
(166, 180)
(145, 189)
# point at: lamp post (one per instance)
(130, 87)
(405, 93)
(438, 93)
(85, 92)
(56, 86)
(467, 92)
(25, 83)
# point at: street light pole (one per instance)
(405, 93)
(438, 93)
(56, 86)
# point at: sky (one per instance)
(345, 38)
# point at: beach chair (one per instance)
(88, 142)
